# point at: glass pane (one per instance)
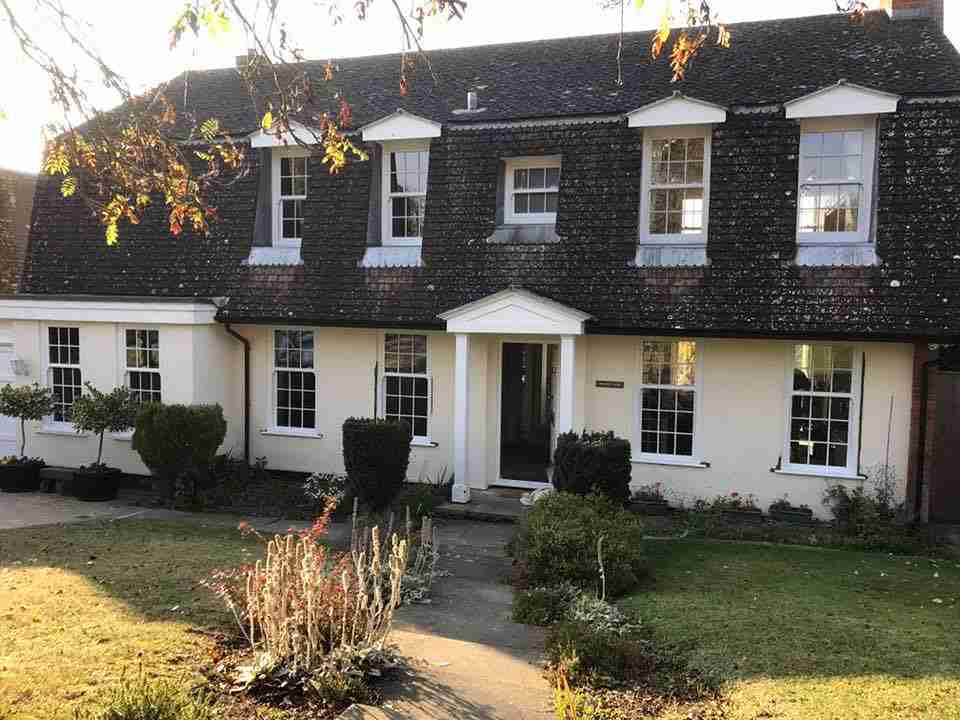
(838, 455)
(520, 203)
(553, 177)
(520, 179)
(838, 432)
(839, 409)
(695, 172)
(684, 445)
(536, 203)
(833, 143)
(695, 149)
(819, 454)
(648, 442)
(811, 144)
(685, 422)
(798, 453)
(551, 202)
(842, 381)
(675, 173)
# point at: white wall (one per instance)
(196, 365)
(744, 406)
(346, 361)
(742, 397)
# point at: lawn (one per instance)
(82, 604)
(812, 633)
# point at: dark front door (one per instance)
(526, 413)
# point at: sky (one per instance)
(134, 36)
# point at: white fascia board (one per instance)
(298, 134)
(515, 311)
(400, 125)
(678, 109)
(120, 311)
(842, 99)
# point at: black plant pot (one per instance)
(20, 477)
(93, 485)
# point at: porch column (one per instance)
(461, 415)
(567, 390)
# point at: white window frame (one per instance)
(526, 163)
(382, 395)
(868, 124)
(49, 422)
(697, 388)
(386, 204)
(678, 132)
(272, 369)
(853, 431)
(277, 210)
(128, 369)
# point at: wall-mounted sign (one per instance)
(618, 384)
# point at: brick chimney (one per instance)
(914, 9)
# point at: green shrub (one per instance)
(376, 454)
(594, 656)
(143, 700)
(25, 402)
(557, 541)
(175, 440)
(542, 606)
(593, 462)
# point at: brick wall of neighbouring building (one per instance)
(16, 203)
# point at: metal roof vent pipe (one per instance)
(472, 101)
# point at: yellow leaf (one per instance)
(113, 233)
(69, 186)
(267, 121)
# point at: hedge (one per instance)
(593, 462)
(376, 454)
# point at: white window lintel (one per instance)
(840, 99)
(677, 109)
(400, 125)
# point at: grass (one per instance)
(83, 605)
(812, 633)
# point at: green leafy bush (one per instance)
(25, 402)
(98, 412)
(141, 699)
(376, 455)
(594, 655)
(542, 606)
(174, 440)
(557, 541)
(593, 462)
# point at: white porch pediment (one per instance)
(515, 312)
(400, 125)
(843, 98)
(678, 109)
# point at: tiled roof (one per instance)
(751, 286)
(768, 62)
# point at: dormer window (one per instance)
(676, 174)
(289, 195)
(405, 172)
(532, 190)
(835, 185)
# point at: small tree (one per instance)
(98, 412)
(25, 402)
(176, 439)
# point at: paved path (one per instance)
(471, 661)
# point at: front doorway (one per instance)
(528, 383)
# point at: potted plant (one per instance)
(783, 511)
(24, 402)
(98, 412)
(649, 500)
(738, 508)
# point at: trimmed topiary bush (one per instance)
(593, 462)
(376, 454)
(173, 440)
(557, 541)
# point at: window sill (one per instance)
(671, 255)
(669, 461)
(814, 473)
(64, 429)
(423, 442)
(524, 234)
(122, 436)
(284, 432)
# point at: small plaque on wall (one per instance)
(617, 384)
